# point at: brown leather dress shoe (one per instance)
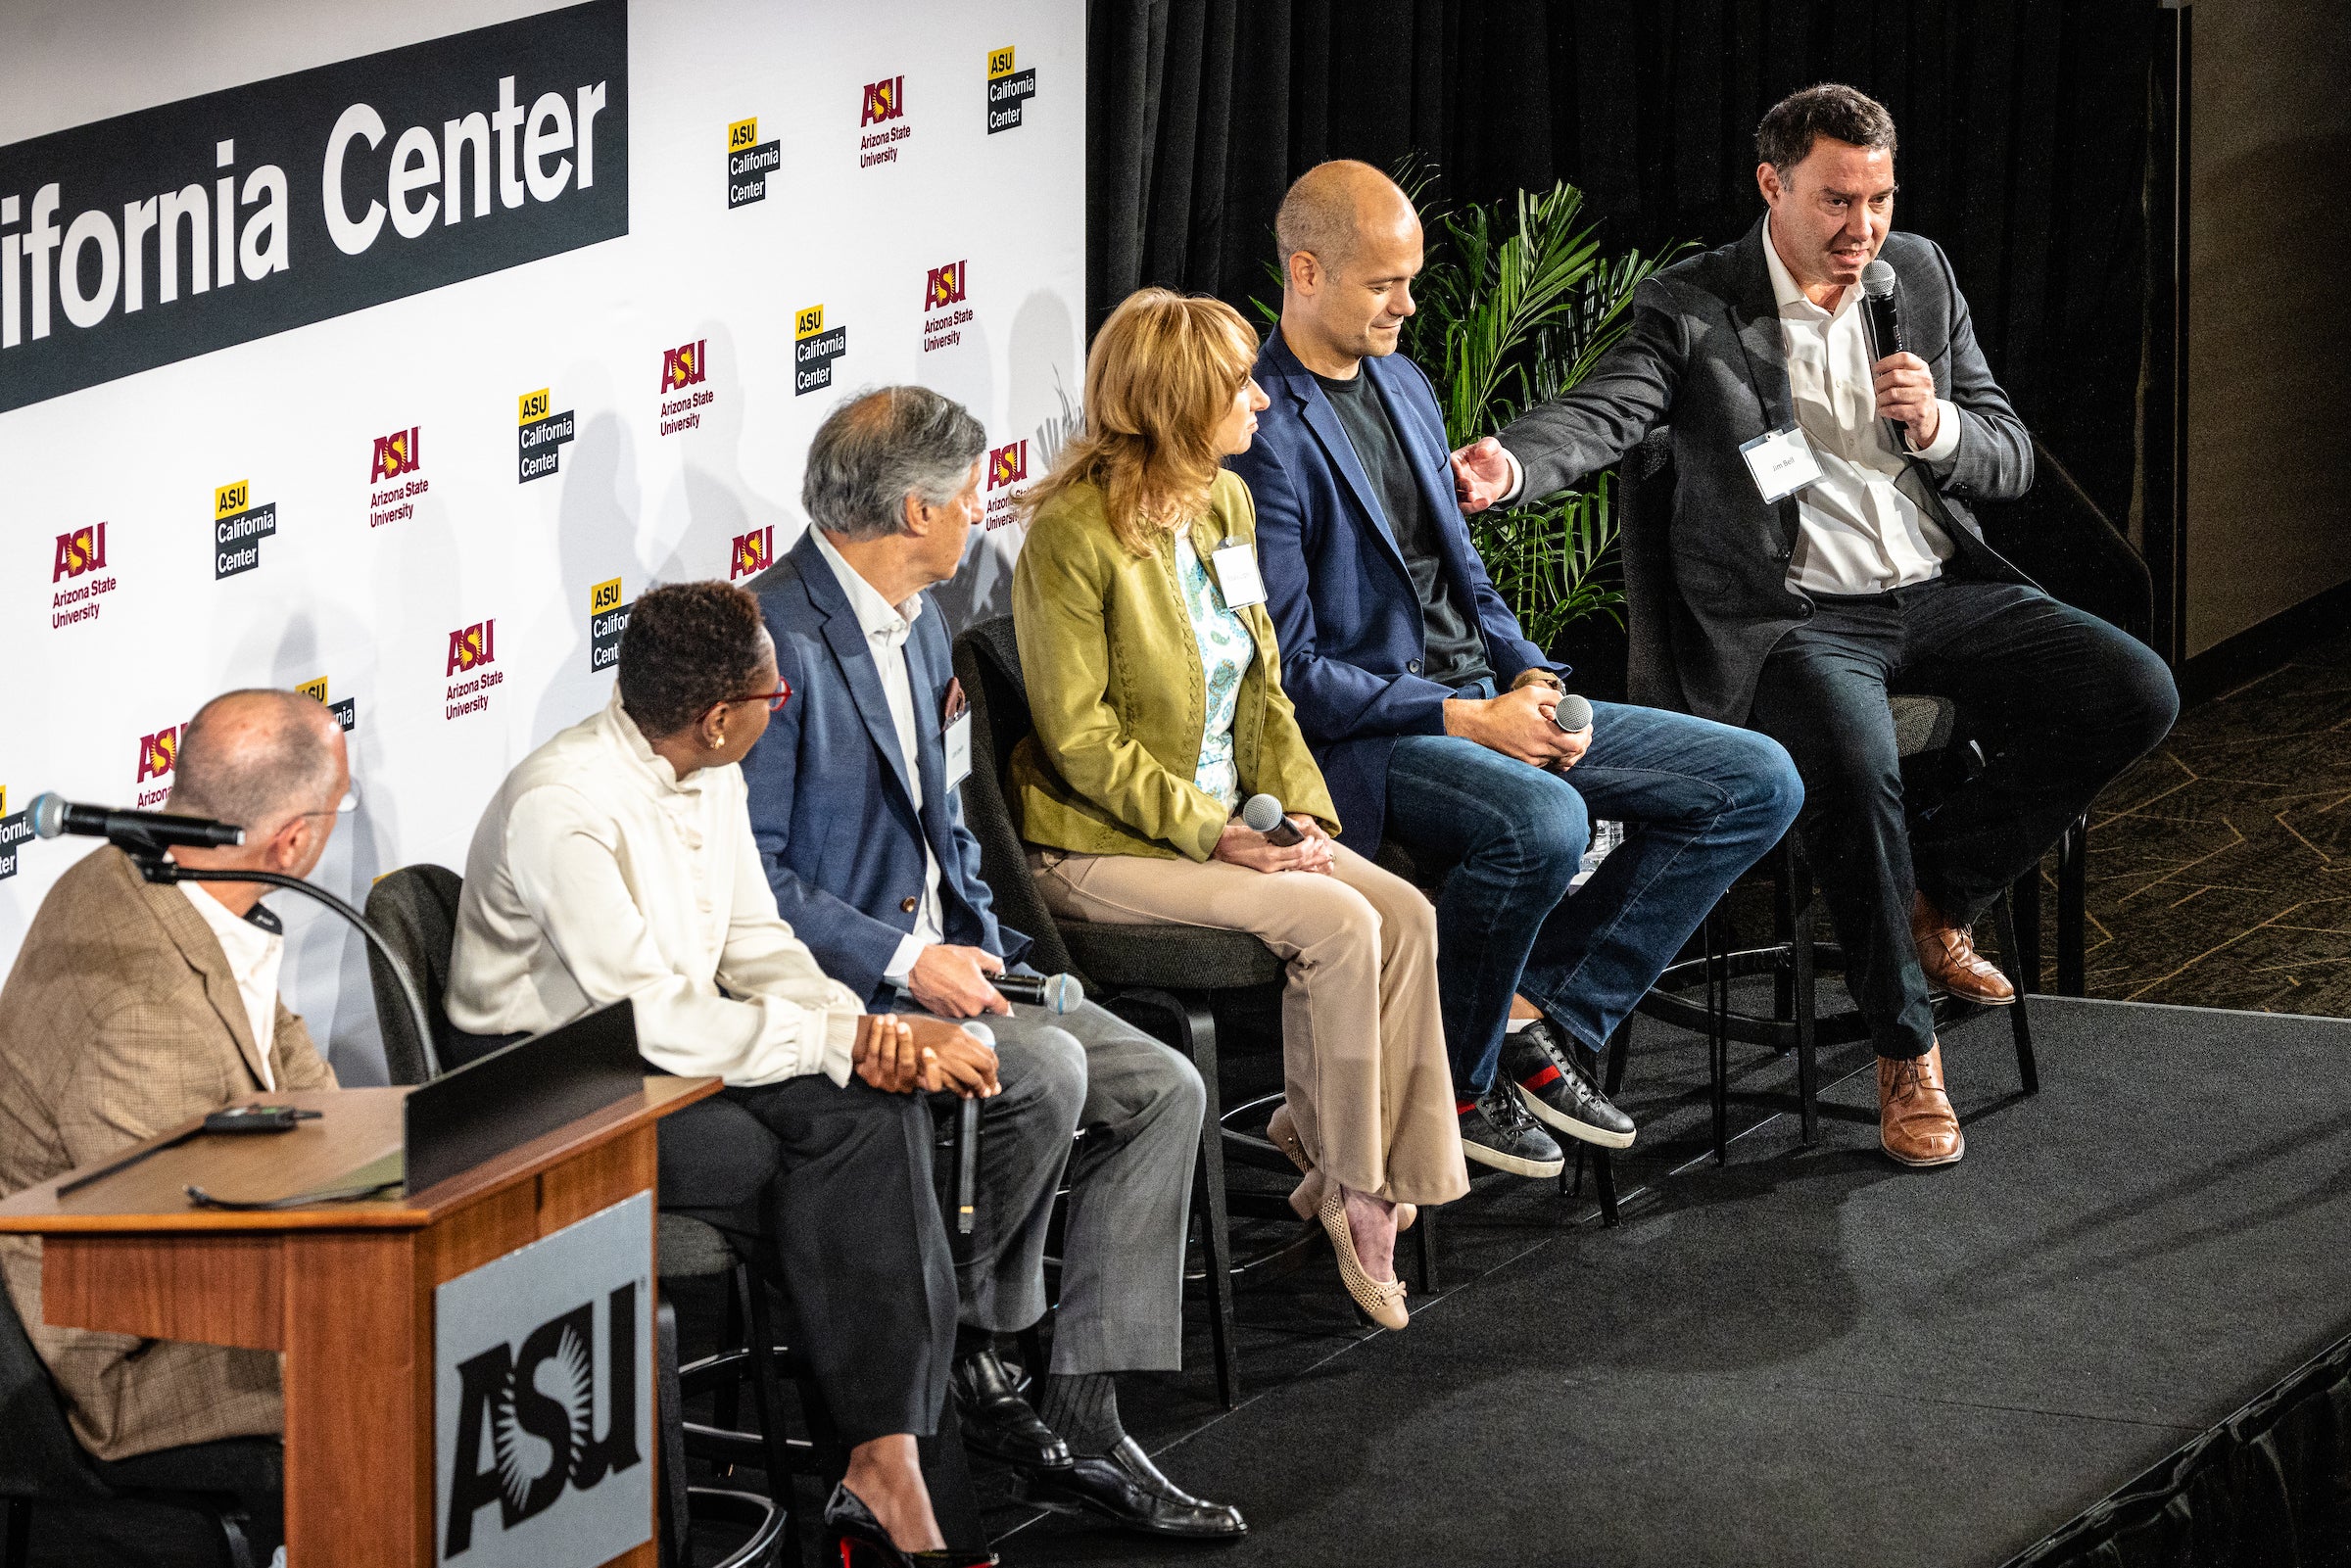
(1916, 1125)
(1948, 953)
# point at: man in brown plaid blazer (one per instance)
(127, 1014)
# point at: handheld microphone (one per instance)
(151, 830)
(1264, 814)
(1573, 713)
(1055, 993)
(1881, 301)
(967, 1143)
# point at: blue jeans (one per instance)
(1701, 802)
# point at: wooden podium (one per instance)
(343, 1290)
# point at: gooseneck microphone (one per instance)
(1881, 301)
(1264, 814)
(52, 815)
(1573, 713)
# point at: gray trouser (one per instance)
(1139, 1105)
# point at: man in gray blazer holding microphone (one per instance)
(1825, 549)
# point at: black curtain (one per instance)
(2023, 125)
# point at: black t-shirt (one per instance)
(1457, 651)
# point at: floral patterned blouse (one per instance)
(1226, 649)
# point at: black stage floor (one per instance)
(1809, 1357)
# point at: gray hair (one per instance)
(881, 447)
(253, 757)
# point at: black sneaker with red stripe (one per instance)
(1553, 1085)
(1497, 1131)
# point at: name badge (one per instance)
(1781, 462)
(959, 748)
(1236, 576)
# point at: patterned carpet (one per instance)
(2220, 868)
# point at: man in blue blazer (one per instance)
(1432, 715)
(855, 806)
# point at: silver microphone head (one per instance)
(1261, 814)
(981, 1032)
(1572, 714)
(1878, 280)
(1063, 993)
(47, 814)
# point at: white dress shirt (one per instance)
(596, 873)
(886, 628)
(254, 958)
(1863, 527)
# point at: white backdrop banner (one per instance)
(393, 351)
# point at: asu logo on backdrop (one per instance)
(749, 160)
(813, 350)
(77, 555)
(1008, 90)
(946, 289)
(886, 107)
(472, 649)
(345, 712)
(607, 619)
(1008, 465)
(1008, 472)
(238, 529)
(538, 436)
(753, 553)
(159, 754)
(687, 365)
(397, 458)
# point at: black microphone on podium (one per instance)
(145, 835)
(52, 815)
(1264, 814)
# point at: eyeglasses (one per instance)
(774, 700)
(341, 808)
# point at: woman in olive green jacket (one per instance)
(1155, 684)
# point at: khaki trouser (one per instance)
(1363, 1047)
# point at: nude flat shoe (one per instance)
(1306, 1199)
(1382, 1299)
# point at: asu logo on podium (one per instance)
(947, 287)
(238, 529)
(78, 554)
(687, 365)
(813, 350)
(471, 650)
(607, 618)
(749, 160)
(539, 435)
(885, 106)
(1008, 90)
(345, 712)
(398, 456)
(753, 554)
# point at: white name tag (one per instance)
(959, 748)
(1781, 462)
(1236, 576)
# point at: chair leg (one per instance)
(1576, 1188)
(1425, 1228)
(669, 1408)
(2073, 877)
(1198, 1027)
(2020, 1014)
(1718, 1043)
(1786, 910)
(16, 1547)
(1805, 977)
(767, 1389)
(1620, 1049)
(2025, 899)
(726, 1402)
(1604, 1180)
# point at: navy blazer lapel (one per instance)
(1756, 311)
(854, 654)
(1324, 420)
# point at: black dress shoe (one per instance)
(998, 1422)
(1125, 1489)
